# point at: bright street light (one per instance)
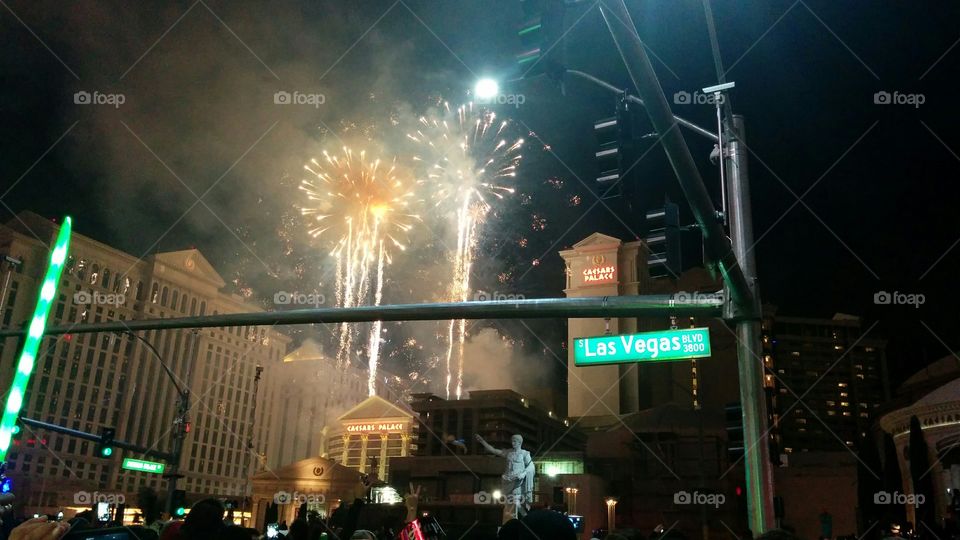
(486, 89)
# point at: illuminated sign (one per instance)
(370, 428)
(600, 274)
(28, 355)
(646, 347)
(142, 466)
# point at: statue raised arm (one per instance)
(487, 447)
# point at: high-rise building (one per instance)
(601, 265)
(301, 397)
(449, 426)
(826, 379)
(93, 381)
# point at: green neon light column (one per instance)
(48, 292)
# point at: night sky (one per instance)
(875, 182)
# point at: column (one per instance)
(384, 441)
(363, 453)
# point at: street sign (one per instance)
(660, 346)
(143, 466)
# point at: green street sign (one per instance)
(143, 466)
(661, 346)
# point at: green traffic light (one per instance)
(181, 511)
(106, 452)
(16, 430)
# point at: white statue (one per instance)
(517, 477)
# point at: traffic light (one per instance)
(179, 503)
(663, 241)
(734, 425)
(105, 444)
(617, 139)
(540, 36)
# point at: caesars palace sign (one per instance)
(600, 272)
(374, 428)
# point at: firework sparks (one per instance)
(471, 160)
(365, 209)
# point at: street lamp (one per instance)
(486, 89)
(611, 513)
(572, 491)
(180, 420)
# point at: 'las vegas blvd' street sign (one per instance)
(658, 346)
(142, 466)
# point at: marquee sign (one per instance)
(600, 272)
(374, 427)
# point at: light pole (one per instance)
(572, 491)
(611, 513)
(179, 423)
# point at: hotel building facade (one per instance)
(93, 381)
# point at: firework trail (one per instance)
(470, 157)
(367, 210)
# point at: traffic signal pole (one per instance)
(649, 305)
(733, 256)
(756, 438)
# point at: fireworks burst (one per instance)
(366, 209)
(470, 159)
